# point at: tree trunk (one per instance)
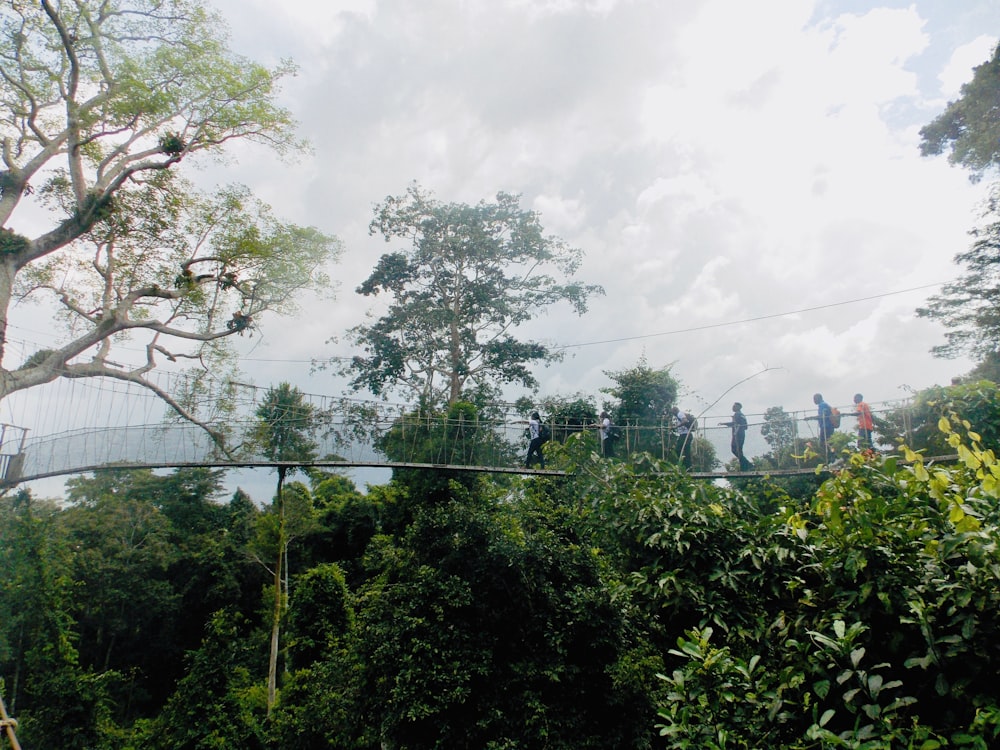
(272, 664)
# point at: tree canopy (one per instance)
(628, 605)
(471, 275)
(969, 129)
(101, 100)
(968, 307)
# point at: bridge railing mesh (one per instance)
(378, 438)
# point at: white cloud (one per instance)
(958, 71)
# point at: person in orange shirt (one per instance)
(866, 424)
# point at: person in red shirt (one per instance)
(866, 424)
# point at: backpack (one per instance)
(544, 432)
(835, 417)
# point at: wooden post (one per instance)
(9, 725)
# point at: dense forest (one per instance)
(624, 605)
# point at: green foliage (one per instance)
(968, 127)
(217, 703)
(58, 702)
(320, 613)
(452, 437)
(567, 416)
(865, 619)
(532, 613)
(142, 562)
(470, 277)
(644, 395)
(916, 423)
(490, 627)
(967, 307)
(285, 421)
(780, 431)
(716, 700)
(345, 520)
(644, 398)
(968, 130)
(988, 368)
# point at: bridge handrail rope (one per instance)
(352, 432)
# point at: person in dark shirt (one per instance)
(739, 428)
(824, 413)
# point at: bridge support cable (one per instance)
(358, 433)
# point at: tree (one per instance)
(58, 703)
(488, 625)
(319, 703)
(780, 432)
(566, 414)
(969, 128)
(968, 307)
(470, 277)
(788, 450)
(284, 423)
(451, 437)
(915, 424)
(645, 396)
(101, 100)
(215, 704)
(285, 420)
(970, 131)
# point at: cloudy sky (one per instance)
(743, 178)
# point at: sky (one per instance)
(744, 179)
(716, 161)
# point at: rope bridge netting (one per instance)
(71, 426)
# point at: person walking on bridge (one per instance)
(607, 432)
(684, 427)
(537, 440)
(824, 414)
(866, 424)
(738, 424)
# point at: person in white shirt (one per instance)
(683, 428)
(535, 445)
(607, 439)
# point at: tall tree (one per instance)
(968, 307)
(285, 421)
(100, 100)
(644, 394)
(471, 275)
(779, 431)
(644, 398)
(969, 131)
(57, 701)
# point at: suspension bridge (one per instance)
(79, 426)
